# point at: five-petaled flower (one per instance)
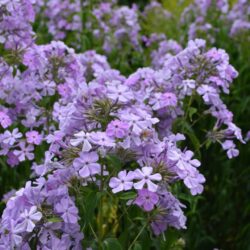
(87, 164)
(146, 178)
(123, 182)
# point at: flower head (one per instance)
(82, 138)
(146, 199)
(87, 164)
(33, 137)
(123, 182)
(30, 217)
(146, 177)
(11, 137)
(117, 129)
(5, 120)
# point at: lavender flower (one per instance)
(5, 120)
(146, 177)
(87, 164)
(24, 152)
(231, 150)
(87, 111)
(146, 199)
(67, 210)
(82, 138)
(33, 137)
(117, 129)
(123, 182)
(101, 139)
(30, 217)
(11, 137)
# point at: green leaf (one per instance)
(90, 202)
(137, 246)
(187, 129)
(127, 196)
(208, 144)
(112, 244)
(191, 112)
(114, 161)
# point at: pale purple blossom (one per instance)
(146, 199)
(11, 137)
(5, 120)
(119, 92)
(24, 152)
(117, 129)
(230, 147)
(67, 210)
(87, 164)
(123, 182)
(146, 177)
(82, 138)
(101, 139)
(30, 217)
(33, 137)
(164, 100)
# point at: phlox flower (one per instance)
(117, 129)
(30, 217)
(24, 152)
(82, 138)
(87, 164)
(146, 178)
(146, 199)
(68, 211)
(124, 181)
(102, 139)
(231, 149)
(33, 137)
(5, 120)
(11, 137)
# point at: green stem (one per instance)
(138, 235)
(93, 231)
(100, 234)
(82, 21)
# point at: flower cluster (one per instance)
(209, 86)
(239, 17)
(200, 14)
(63, 16)
(111, 115)
(15, 24)
(101, 131)
(43, 214)
(116, 25)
